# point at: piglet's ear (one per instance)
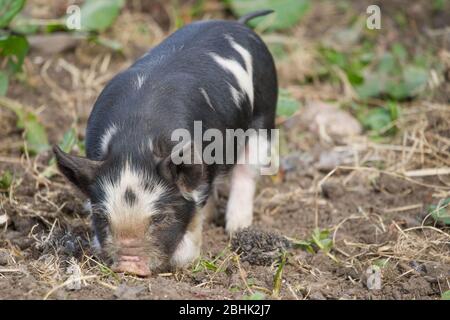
(186, 174)
(80, 171)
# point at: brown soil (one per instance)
(375, 217)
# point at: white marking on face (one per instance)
(106, 138)
(242, 76)
(119, 210)
(140, 79)
(208, 101)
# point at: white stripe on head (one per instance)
(208, 101)
(140, 204)
(106, 138)
(242, 76)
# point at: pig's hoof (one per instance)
(236, 223)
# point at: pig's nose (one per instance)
(132, 265)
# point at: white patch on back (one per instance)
(140, 79)
(118, 209)
(106, 138)
(242, 76)
(208, 101)
(236, 95)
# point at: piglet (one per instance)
(147, 208)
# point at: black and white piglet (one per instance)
(147, 211)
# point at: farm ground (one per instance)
(370, 197)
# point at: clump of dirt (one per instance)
(259, 247)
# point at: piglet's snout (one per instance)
(130, 260)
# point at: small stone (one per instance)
(4, 258)
(127, 292)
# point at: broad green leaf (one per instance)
(35, 134)
(3, 83)
(287, 105)
(98, 15)
(14, 49)
(387, 63)
(371, 87)
(287, 12)
(396, 90)
(8, 9)
(377, 119)
(415, 79)
(23, 25)
(399, 52)
(257, 295)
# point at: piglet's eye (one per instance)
(157, 218)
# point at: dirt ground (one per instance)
(372, 204)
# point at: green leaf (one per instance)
(371, 87)
(377, 119)
(387, 63)
(415, 79)
(14, 48)
(69, 140)
(399, 52)
(287, 12)
(446, 295)
(286, 105)
(35, 135)
(23, 25)
(108, 43)
(5, 180)
(98, 15)
(394, 110)
(8, 9)
(441, 212)
(381, 263)
(257, 295)
(3, 83)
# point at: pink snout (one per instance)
(132, 265)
